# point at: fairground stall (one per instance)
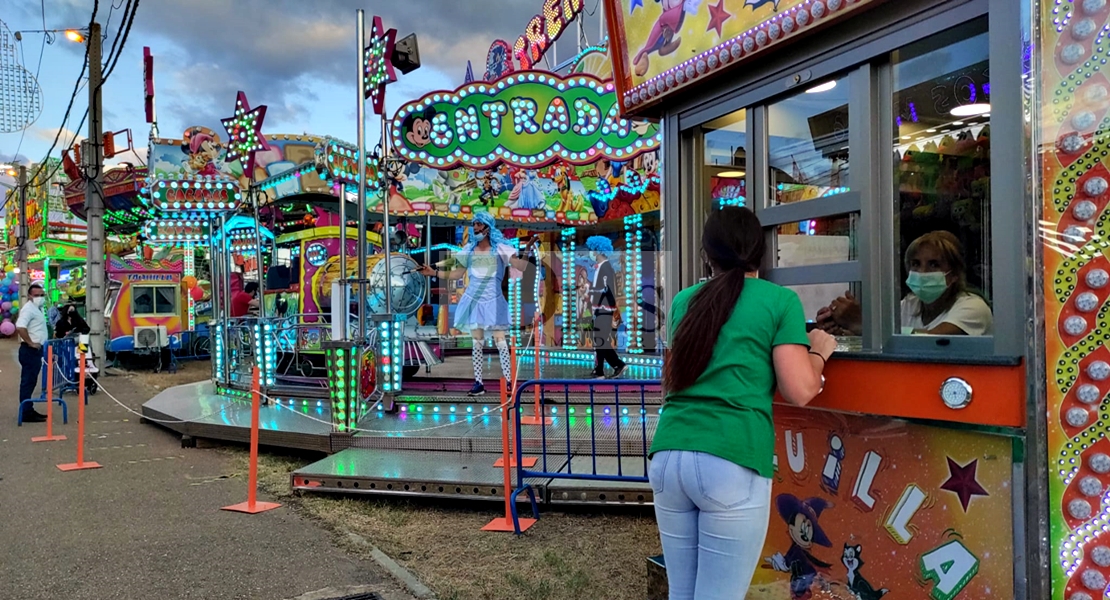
(880, 142)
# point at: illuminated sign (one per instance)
(152, 277)
(527, 119)
(544, 29)
(196, 195)
(499, 60)
(176, 230)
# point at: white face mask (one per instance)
(38, 301)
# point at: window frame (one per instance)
(154, 300)
(866, 62)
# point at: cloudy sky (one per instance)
(295, 56)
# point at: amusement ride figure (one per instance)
(483, 306)
(603, 299)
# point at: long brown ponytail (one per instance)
(733, 243)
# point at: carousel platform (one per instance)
(439, 446)
(452, 379)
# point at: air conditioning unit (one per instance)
(149, 338)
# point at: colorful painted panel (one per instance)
(864, 507)
(1074, 227)
(561, 192)
(665, 45)
(39, 192)
(320, 266)
(285, 153)
(529, 119)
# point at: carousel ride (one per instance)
(355, 348)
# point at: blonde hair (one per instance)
(952, 251)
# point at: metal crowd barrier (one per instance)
(622, 399)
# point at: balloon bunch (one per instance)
(9, 301)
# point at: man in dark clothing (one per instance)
(603, 298)
(31, 327)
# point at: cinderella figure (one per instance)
(525, 193)
(482, 306)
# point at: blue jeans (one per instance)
(30, 364)
(712, 516)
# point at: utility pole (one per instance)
(94, 200)
(24, 237)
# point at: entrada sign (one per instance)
(527, 119)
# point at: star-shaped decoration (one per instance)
(244, 133)
(717, 17)
(962, 482)
(635, 3)
(379, 65)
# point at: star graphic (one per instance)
(244, 133)
(379, 65)
(962, 482)
(635, 3)
(717, 16)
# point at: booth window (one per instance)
(942, 170)
(807, 153)
(810, 212)
(154, 300)
(725, 160)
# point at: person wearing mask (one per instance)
(245, 301)
(69, 322)
(939, 302)
(483, 307)
(735, 339)
(31, 328)
(603, 300)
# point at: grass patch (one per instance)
(565, 556)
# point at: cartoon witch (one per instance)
(801, 521)
(203, 149)
(664, 34)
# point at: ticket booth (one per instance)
(879, 142)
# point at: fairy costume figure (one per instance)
(483, 307)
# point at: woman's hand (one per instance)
(427, 271)
(844, 313)
(822, 343)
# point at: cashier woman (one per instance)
(938, 302)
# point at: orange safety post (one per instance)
(506, 523)
(509, 411)
(49, 437)
(537, 417)
(252, 505)
(80, 464)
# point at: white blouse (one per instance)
(970, 313)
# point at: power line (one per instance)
(123, 40)
(72, 98)
(119, 30)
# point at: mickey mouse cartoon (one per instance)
(417, 127)
(801, 521)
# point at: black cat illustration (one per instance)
(859, 586)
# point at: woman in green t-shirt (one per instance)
(735, 339)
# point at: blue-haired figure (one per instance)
(483, 307)
(603, 298)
